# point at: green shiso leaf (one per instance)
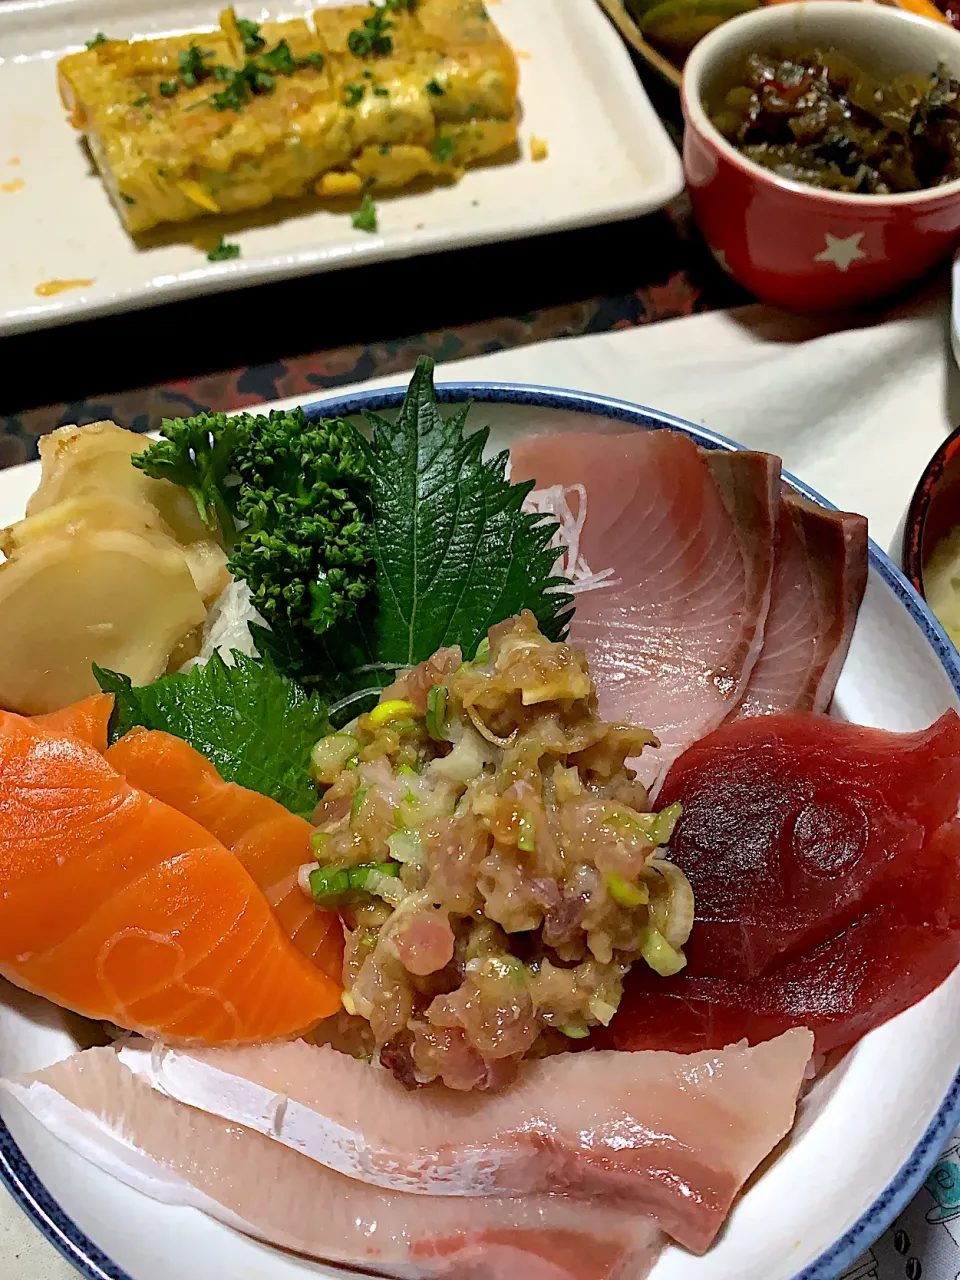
(255, 725)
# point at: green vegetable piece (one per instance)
(127, 199)
(624, 893)
(334, 886)
(143, 101)
(380, 91)
(667, 820)
(443, 149)
(256, 726)
(437, 713)
(574, 1030)
(317, 841)
(483, 651)
(250, 35)
(370, 39)
(406, 846)
(365, 219)
(168, 88)
(223, 252)
(330, 755)
(526, 836)
(353, 94)
(435, 89)
(192, 63)
(454, 552)
(99, 38)
(289, 496)
(329, 886)
(659, 954)
(315, 60)
(357, 802)
(279, 59)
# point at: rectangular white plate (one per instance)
(609, 158)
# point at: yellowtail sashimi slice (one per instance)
(671, 1135)
(183, 1156)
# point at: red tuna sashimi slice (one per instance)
(665, 1134)
(183, 1156)
(842, 989)
(819, 581)
(824, 862)
(673, 631)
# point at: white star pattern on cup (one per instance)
(841, 251)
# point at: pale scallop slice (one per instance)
(94, 463)
(183, 1156)
(114, 597)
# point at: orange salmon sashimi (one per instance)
(270, 842)
(118, 907)
(87, 720)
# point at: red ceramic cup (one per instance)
(795, 245)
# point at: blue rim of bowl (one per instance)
(93, 1263)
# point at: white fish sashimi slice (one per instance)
(670, 1135)
(180, 1155)
(672, 631)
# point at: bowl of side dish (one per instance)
(761, 95)
(931, 540)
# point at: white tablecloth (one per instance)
(856, 413)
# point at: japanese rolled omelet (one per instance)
(355, 99)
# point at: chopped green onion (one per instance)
(352, 762)
(387, 712)
(624, 893)
(511, 968)
(330, 755)
(437, 713)
(602, 1010)
(667, 819)
(407, 812)
(483, 650)
(357, 802)
(574, 1031)
(526, 835)
(634, 826)
(659, 955)
(317, 840)
(407, 772)
(407, 847)
(328, 884)
(382, 882)
(333, 886)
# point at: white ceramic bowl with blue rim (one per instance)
(867, 1133)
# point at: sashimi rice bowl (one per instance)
(442, 852)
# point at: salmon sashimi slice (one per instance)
(120, 908)
(180, 1155)
(672, 587)
(271, 842)
(87, 720)
(819, 581)
(825, 864)
(667, 1135)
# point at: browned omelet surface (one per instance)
(444, 96)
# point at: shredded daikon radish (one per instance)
(228, 626)
(570, 563)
